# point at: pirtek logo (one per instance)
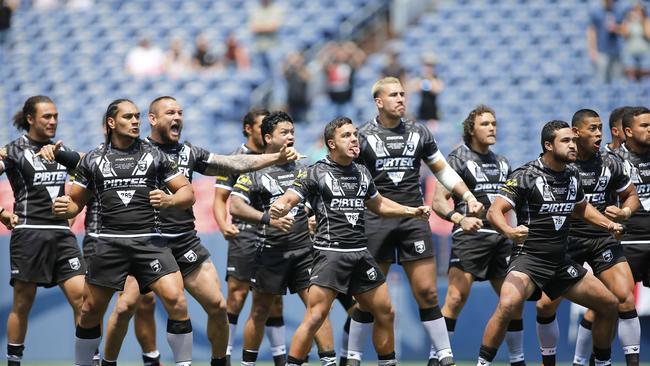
(392, 163)
(49, 178)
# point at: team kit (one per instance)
(569, 224)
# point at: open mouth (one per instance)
(355, 150)
(175, 129)
(597, 144)
(135, 130)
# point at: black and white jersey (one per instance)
(543, 200)
(637, 167)
(337, 194)
(483, 175)
(36, 183)
(189, 159)
(393, 158)
(602, 178)
(227, 182)
(121, 181)
(263, 187)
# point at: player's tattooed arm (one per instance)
(496, 217)
(182, 196)
(630, 203)
(242, 163)
(442, 208)
(386, 207)
(69, 206)
(589, 214)
(242, 210)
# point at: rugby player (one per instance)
(603, 177)
(339, 190)
(478, 252)
(544, 193)
(392, 149)
(284, 255)
(43, 250)
(241, 238)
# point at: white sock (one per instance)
(629, 332)
(179, 337)
(276, 336)
(515, 340)
(359, 333)
(548, 334)
(86, 341)
(583, 343)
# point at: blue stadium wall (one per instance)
(51, 331)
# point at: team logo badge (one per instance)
(410, 147)
(573, 272)
(143, 164)
(419, 246)
(372, 274)
(155, 265)
(608, 256)
(75, 264)
(190, 255)
(184, 156)
(106, 168)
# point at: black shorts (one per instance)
(44, 257)
(188, 251)
(638, 256)
(483, 254)
(346, 272)
(241, 256)
(601, 253)
(398, 240)
(88, 246)
(145, 258)
(278, 270)
(548, 275)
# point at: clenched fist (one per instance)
(518, 235)
(160, 199)
(61, 205)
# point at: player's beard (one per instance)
(564, 158)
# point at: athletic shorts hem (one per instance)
(477, 277)
(144, 288)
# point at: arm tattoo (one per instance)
(236, 164)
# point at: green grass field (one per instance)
(411, 363)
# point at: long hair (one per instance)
(111, 112)
(29, 109)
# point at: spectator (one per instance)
(264, 22)
(340, 66)
(145, 60)
(428, 86)
(45, 4)
(603, 40)
(235, 55)
(297, 77)
(7, 8)
(80, 5)
(394, 68)
(636, 49)
(203, 58)
(177, 62)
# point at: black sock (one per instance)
(108, 363)
(151, 361)
(14, 354)
(451, 324)
(292, 361)
(602, 356)
(249, 355)
(218, 361)
(487, 353)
